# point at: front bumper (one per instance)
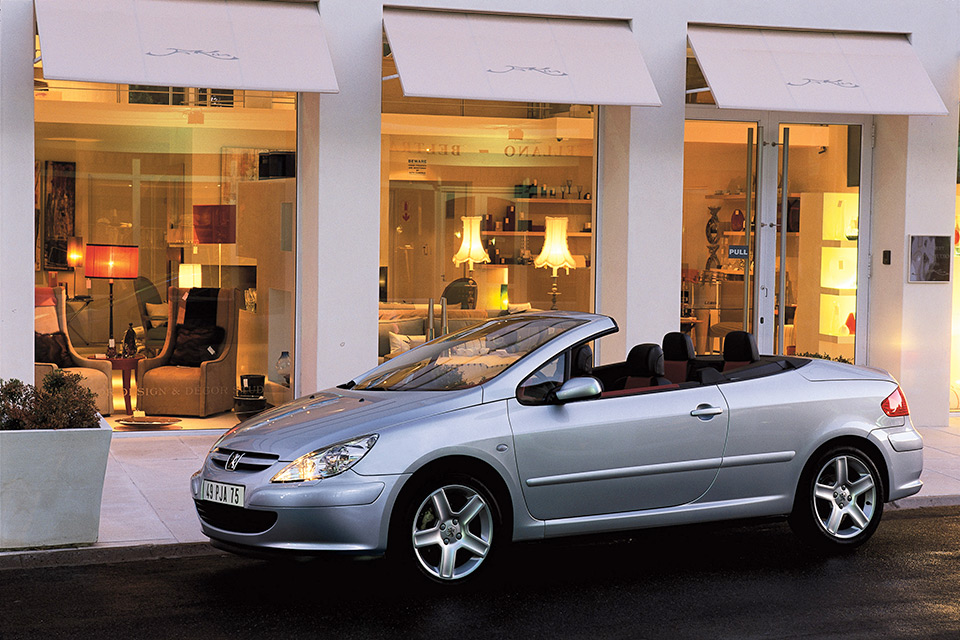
(346, 514)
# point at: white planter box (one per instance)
(51, 483)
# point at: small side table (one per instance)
(126, 365)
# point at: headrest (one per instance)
(740, 346)
(678, 346)
(645, 360)
(582, 364)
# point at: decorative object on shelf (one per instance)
(471, 249)
(129, 341)
(712, 232)
(556, 253)
(188, 276)
(112, 262)
(737, 220)
(284, 365)
(74, 257)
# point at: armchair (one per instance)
(54, 350)
(149, 303)
(195, 373)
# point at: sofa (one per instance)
(408, 324)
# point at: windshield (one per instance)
(467, 358)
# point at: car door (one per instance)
(616, 454)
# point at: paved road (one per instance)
(740, 582)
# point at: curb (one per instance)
(79, 556)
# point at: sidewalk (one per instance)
(147, 510)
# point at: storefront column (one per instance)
(641, 226)
(914, 194)
(339, 176)
(16, 189)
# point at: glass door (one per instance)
(817, 240)
(719, 212)
(772, 226)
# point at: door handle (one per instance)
(706, 411)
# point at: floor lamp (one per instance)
(555, 253)
(112, 262)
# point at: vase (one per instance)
(283, 366)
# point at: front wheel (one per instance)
(448, 528)
(839, 501)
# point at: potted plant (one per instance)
(53, 457)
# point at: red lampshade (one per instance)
(112, 261)
(215, 223)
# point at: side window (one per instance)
(535, 388)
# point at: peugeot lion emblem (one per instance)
(233, 461)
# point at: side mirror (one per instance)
(584, 388)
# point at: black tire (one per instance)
(839, 500)
(447, 529)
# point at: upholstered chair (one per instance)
(54, 350)
(195, 373)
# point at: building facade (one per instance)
(661, 154)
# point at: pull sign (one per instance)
(738, 251)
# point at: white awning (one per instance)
(235, 44)
(443, 54)
(828, 72)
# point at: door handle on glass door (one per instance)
(706, 411)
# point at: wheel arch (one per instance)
(481, 470)
(860, 442)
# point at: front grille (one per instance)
(251, 460)
(235, 519)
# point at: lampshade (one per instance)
(555, 252)
(74, 252)
(116, 262)
(215, 223)
(471, 250)
(189, 276)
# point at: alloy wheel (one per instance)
(845, 497)
(452, 532)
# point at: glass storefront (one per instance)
(488, 205)
(200, 184)
(814, 273)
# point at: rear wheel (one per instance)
(839, 501)
(447, 528)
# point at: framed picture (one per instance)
(237, 164)
(58, 195)
(930, 258)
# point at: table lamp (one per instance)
(555, 253)
(112, 262)
(471, 249)
(74, 258)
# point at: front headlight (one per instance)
(325, 463)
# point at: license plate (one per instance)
(231, 494)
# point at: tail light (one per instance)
(895, 404)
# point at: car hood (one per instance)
(334, 415)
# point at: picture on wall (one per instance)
(930, 258)
(59, 212)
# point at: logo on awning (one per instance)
(843, 84)
(547, 71)
(216, 54)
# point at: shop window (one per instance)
(204, 205)
(488, 205)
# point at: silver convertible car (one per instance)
(505, 431)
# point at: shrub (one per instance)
(823, 356)
(60, 402)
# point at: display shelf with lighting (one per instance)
(828, 273)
